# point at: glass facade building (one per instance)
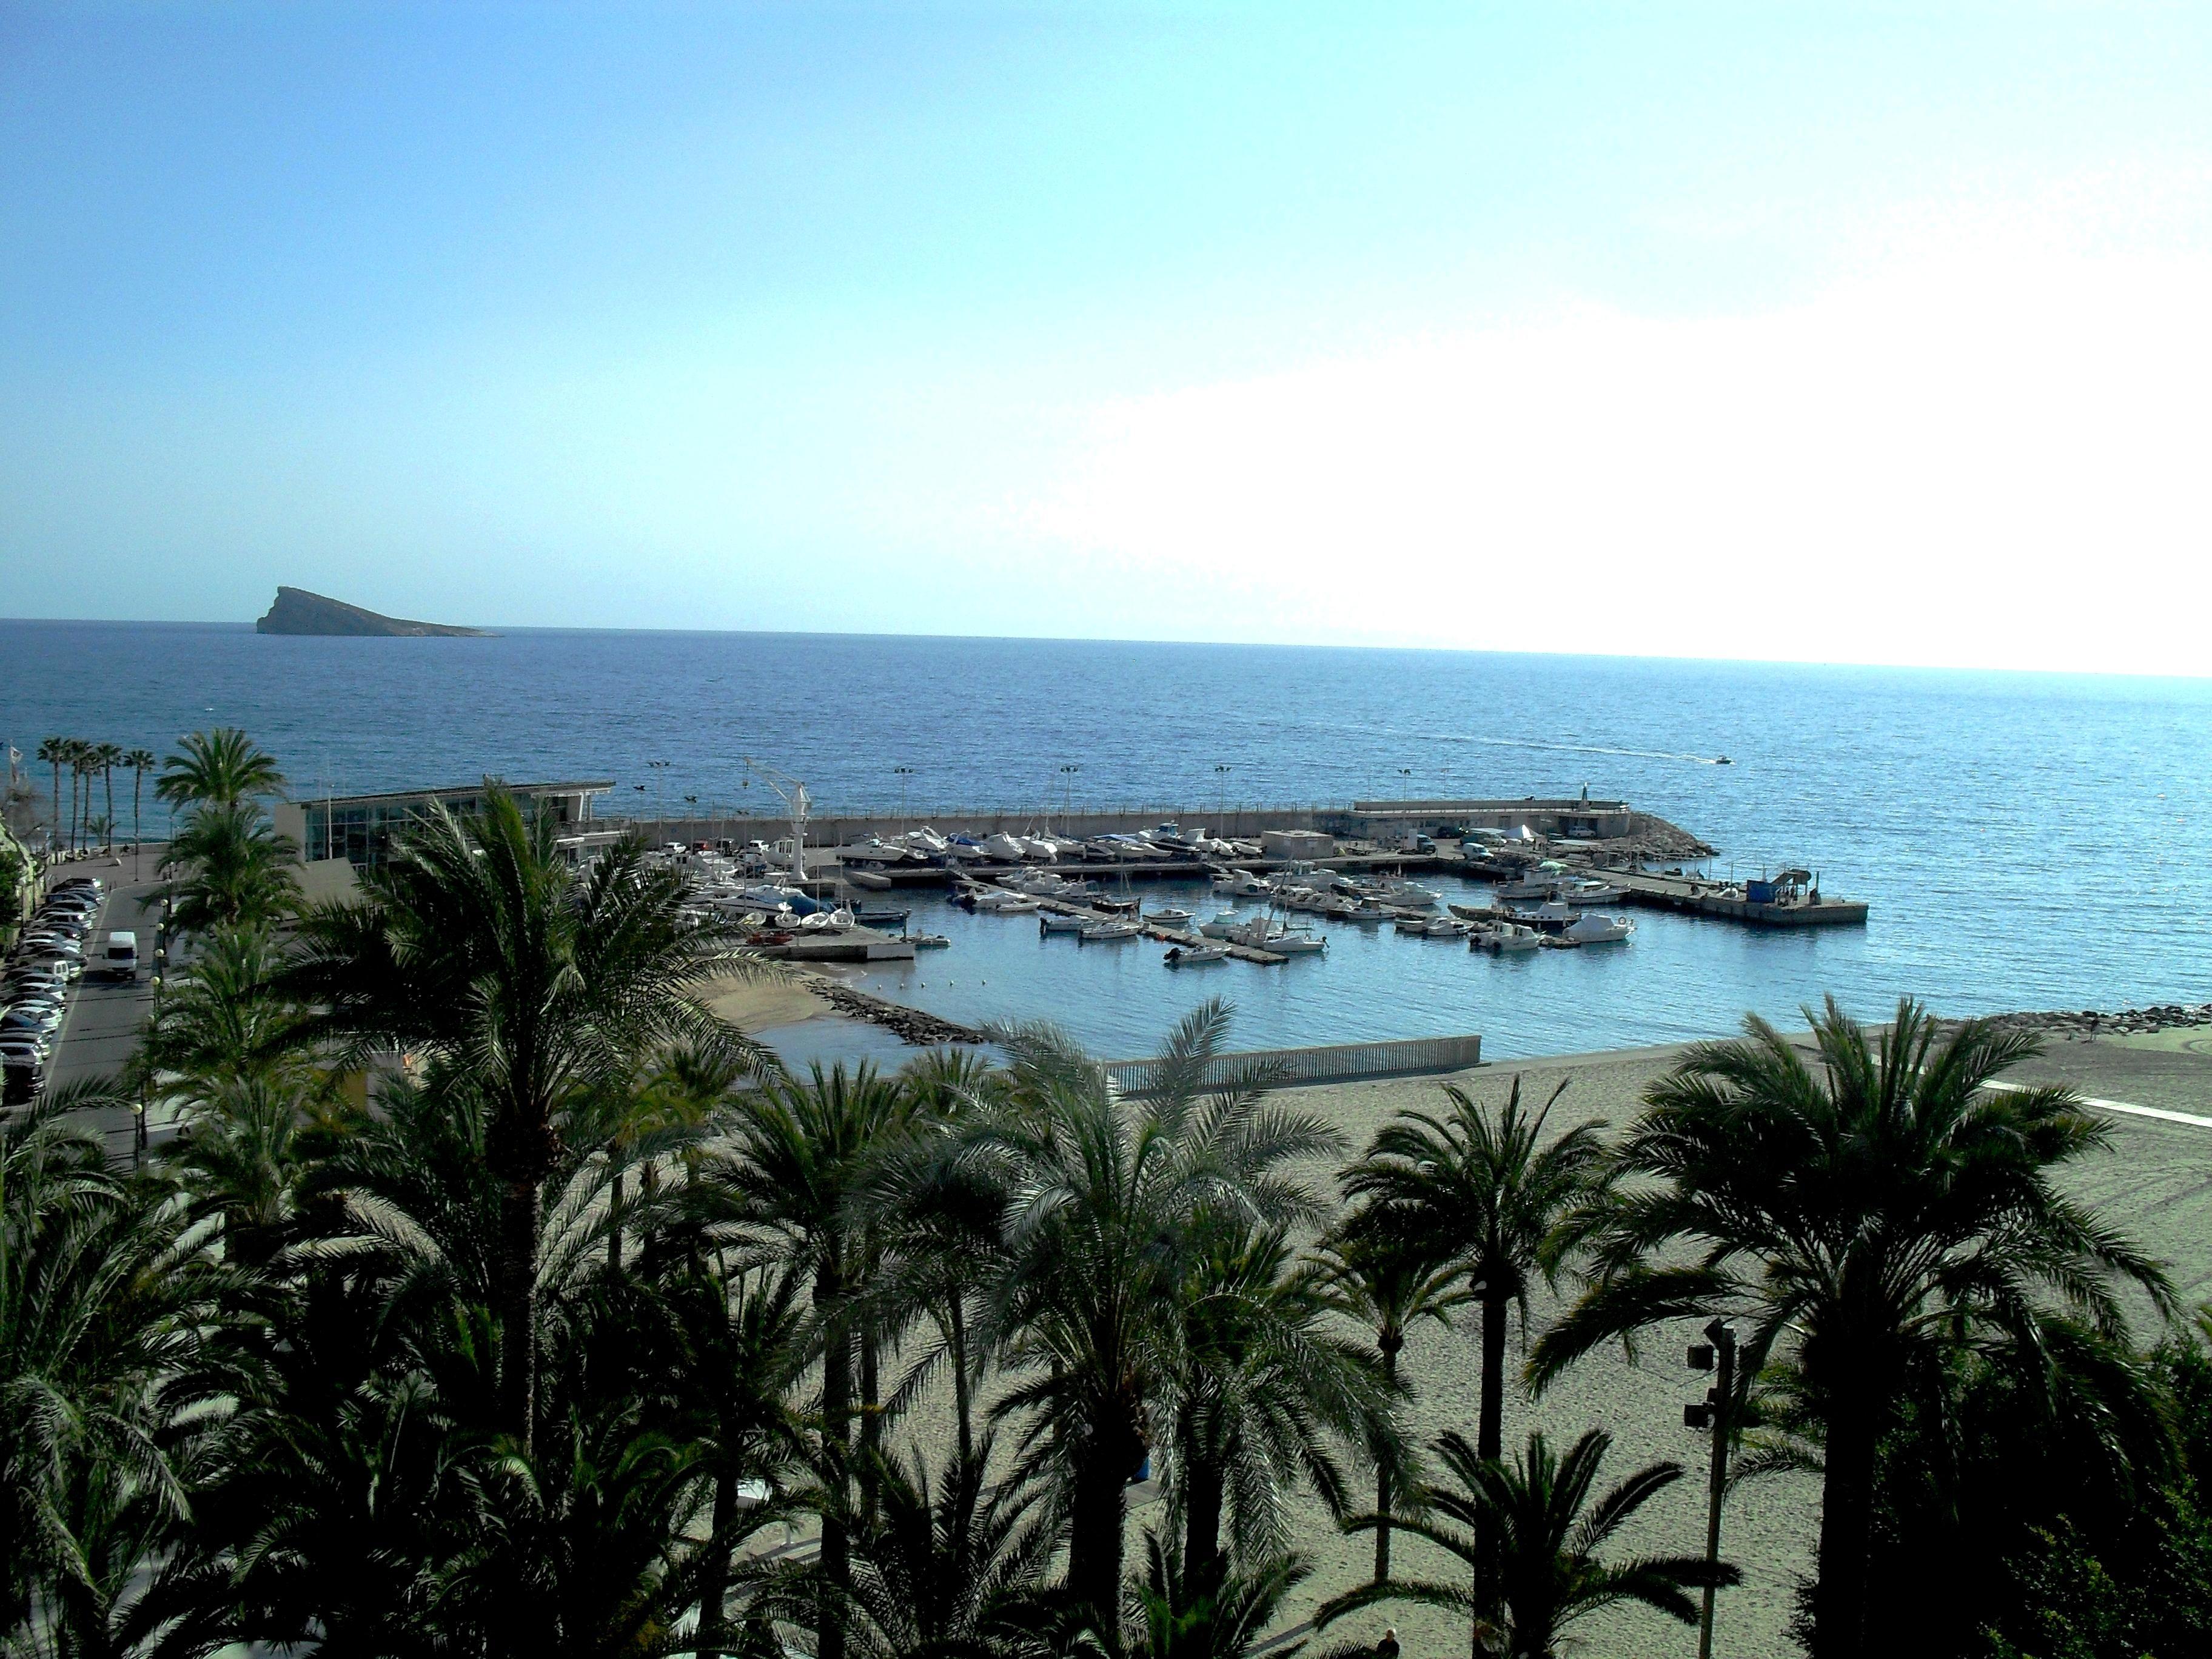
(361, 828)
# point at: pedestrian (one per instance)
(1388, 1647)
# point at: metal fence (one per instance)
(1336, 1062)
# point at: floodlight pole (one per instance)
(1717, 1354)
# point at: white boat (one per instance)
(1239, 884)
(1406, 895)
(875, 880)
(1227, 925)
(1527, 887)
(1585, 891)
(1599, 930)
(1108, 932)
(999, 900)
(1051, 921)
(1409, 924)
(1505, 938)
(1194, 955)
(1444, 928)
(1294, 942)
(1550, 911)
(874, 850)
(1170, 917)
(924, 842)
(828, 921)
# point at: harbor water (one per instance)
(2025, 841)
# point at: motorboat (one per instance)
(1444, 928)
(928, 941)
(874, 850)
(1599, 930)
(1406, 896)
(1504, 938)
(1052, 921)
(1585, 891)
(1227, 925)
(1527, 887)
(1000, 902)
(1170, 917)
(1194, 955)
(1552, 914)
(1108, 933)
(1239, 884)
(780, 898)
(924, 843)
(965, 849)
(1295, 942)
(1407, 922)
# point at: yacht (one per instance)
(1005, 849)
(874, 850)
(924, 843)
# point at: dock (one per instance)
(1152, 930)
(1689, 895)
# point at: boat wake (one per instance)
(1576, 748)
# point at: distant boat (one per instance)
(1599, 930)
(1053, 922)
(1195, 956)
(1108, 932)
(1724, 761)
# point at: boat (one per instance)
(874, 850)
(1239, 884)
(1051, 921)
(1108, 932)
(1171, 917)
(1444, 928)
(1504, 938)
(1194, 955)
(1227, 925)
(1599, 930)
(1005, 849)
(828, 921)
(1551, 915)
(1585, 891)
(1527, 887)
(1406, 895)
(924, 843)
(1405, 922)
(1294, 942)
(1120, 907)
(928, 941)
(872, 915)
(1001, 902)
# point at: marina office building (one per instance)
(358, 830)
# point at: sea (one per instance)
(2025, 841)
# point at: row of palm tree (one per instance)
(508, 1299)
(86, 761)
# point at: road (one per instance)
(104, 1018)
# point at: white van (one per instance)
(120, 959)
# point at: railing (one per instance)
(1336, 1062)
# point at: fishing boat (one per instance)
(1108, 932)
(1527, 887)
(1194, 955)
(1586, 891)
(928, 941)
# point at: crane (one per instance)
(793, 794)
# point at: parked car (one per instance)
(31, 1018)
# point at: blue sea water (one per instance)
(2026, 841)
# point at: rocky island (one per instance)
(299, 612)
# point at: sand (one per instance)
(757, 1005)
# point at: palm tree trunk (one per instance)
(963, 1399)
(107, 779)
(1490, 1431)
(1389, 1343)
(1201, 1537)
(837, 1410)
(1096, 1521)
(518, 1223)
(614, 1223)
(1846, 1527)
(714, 1576)
(872, 1422)
(137, 790)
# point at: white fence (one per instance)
(1336, 1062)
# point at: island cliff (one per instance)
(299, 612)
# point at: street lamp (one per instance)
(1067, 792)
(1222, 773)
(1716, 1353)
(903, 773)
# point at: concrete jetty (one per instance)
(1152, 930)
(1729, 903)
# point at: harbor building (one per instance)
(358, 830)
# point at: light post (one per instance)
(903, 773)
(1222, 773)
(1716, 1354)
(1067, 792)
(658, 767)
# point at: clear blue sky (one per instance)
(1268, 321)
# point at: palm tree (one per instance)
(1220, 1614)
(79, 757)
(1530, 1528)
(1481, 1184)
(1101, 1236)
(228, 868)
(54, 751)
(1860, 1221)
(141, 762)
(1383, 1274)
(478, 945)
(954, 1567)
(106, 1301)
(221, 767)
(795, 1159)
(1256, 1387)
(107, 756)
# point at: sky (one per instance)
(1871, 333)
